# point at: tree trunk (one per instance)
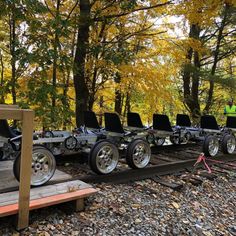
(187, 76)
(81, 88)
(93, 90)
(127, 104)
(191, 77)
(195, 106)
(216, 58)
(118, 95)
(101, 105)
(2, 98)
(55, 59)
(12, 24)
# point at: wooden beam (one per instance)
(11, 113)
(25, 170)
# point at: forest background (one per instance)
(61, 57)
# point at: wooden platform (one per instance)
(51, 194)
(47, 195)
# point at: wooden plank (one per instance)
(15, 114)
(44, 191)
(48, 201)
(25, 172)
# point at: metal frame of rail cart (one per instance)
(104, 155)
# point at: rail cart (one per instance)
(104, 155)
(211, 134)
(160, 130)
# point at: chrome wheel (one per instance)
(106, 160)
(104, 157)
(42, 168)
(231, 145)
(138, 154)
(228, 144)
(211, 146)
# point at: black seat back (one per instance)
(113, 123)
(183, 120)
(134, 120)
(5, 130)
(161, 122)
(90, 120)
(209, 122)
(231, 122)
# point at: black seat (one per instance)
(183, 120)
(161, 122)
(134, 120)
(90, 120)
(209, 122)
(113, 123)
(5, 130)
(231, 122)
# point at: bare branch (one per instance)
(49, 9)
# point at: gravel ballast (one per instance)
(141, 208)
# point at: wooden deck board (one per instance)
(42, 196)
(44, 191)
(48, 201)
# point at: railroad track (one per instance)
(166, 160)
(160, 170)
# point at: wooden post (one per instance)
(25, 170)
(79, 204)
(27, 116)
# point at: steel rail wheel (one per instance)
(43, 166)
(103, 157)
(138, 154)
